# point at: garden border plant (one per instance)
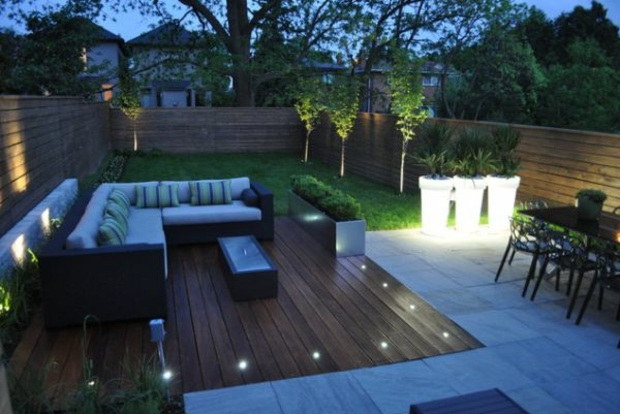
(333, 202)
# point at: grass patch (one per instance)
(382, 208)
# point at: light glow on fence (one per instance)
(18, 248)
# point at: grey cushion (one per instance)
(221, 213)
(145, 226)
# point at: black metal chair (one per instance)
(570, 252)
(608, 277)
(530, 205)
(526, 236)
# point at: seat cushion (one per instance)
(221, 213)
(145, 226)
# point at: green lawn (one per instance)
(381, 207)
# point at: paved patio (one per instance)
(536, 356)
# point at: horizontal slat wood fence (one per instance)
(555, 163)
(208, 130)
(43, 141)
(46, 139)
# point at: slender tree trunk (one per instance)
(342, 159)
(307, 146)
(135, 136)
(403, 154)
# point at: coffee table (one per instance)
(249, 272)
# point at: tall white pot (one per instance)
(468, 195)
(502, 195)
(436, 193)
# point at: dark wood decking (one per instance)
(330, 315)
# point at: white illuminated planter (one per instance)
(468, 194)
(436, 193)
(502, 194)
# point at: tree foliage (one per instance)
(407, 100)
(309, 104)
(583, 94)
(342, 106)
(49, 59)
(525, 68)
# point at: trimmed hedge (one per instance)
(333, 202)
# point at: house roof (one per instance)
(168, 34)
(105, 36)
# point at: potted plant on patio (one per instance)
(503, 183)
(435, 187)
(589, 203)
(329, 215)
(471, 160)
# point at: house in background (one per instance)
(161, 63)
(375, 96)
(103, 60)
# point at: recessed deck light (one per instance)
(385, 285)
(384, 345)
(243, 364)
(446, 335)
(316, 355)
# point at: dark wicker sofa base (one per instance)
(123, 282)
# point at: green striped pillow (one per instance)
(157, 196)
(210, 192)
(118, 214)
(121, 199)
(110, 233)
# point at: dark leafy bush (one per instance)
(333, 202)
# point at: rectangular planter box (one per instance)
(343, 238)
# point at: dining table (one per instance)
(606, 228)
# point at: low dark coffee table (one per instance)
(249, 272)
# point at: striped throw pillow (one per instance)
(121, 199)
(110, 233)
(157, 196)
(118, 214)
(210, 192)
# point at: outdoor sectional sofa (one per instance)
(126, 279)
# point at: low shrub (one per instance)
(333, 202)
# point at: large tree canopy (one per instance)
(49, 59)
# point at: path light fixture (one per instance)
(157, 335)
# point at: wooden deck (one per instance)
(330, 315)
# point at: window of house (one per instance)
(328, 78)
(429, 80)
(107, 91)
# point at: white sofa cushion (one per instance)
(145, 226)
(219, 213)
